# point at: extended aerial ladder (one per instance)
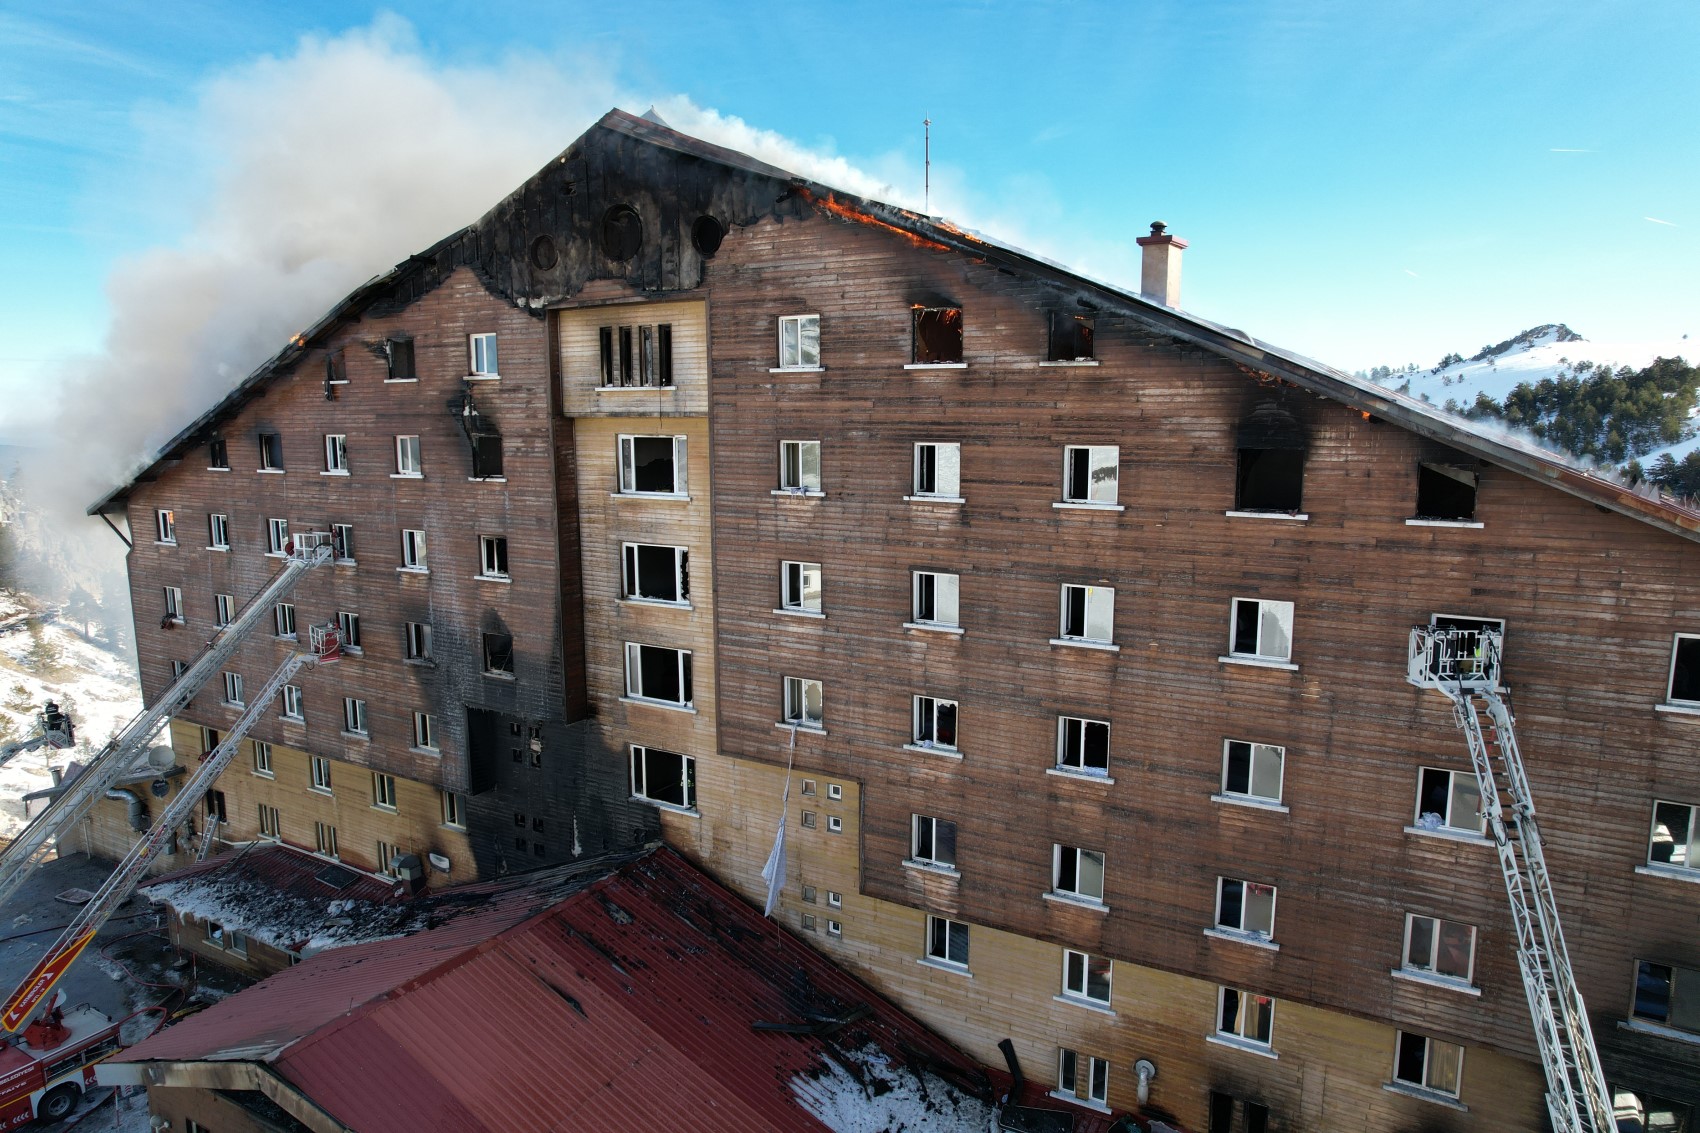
(324, 646)
(1465, 665)
(33, 844)
(54, 729)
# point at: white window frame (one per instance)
(174, 603)
(1670, 676)
(493, 557)
(946, 596)
(925, 719)
(224, 609)
(1060, 854)
(271, 822)
(1431, 971)
(354, 722)
(293, 707)
(1245, 1017)
(263, 759)
(233, 690)
(1098, 605)
(386, 854)
(944, 956)
(1267, 607)
(629, 574)
(418, 641)
(165, 525)
(793, 351)
(945, 474)
(218, 531)
(1689, 851)
(277, 536)
(336, 454)
(641, 776)
(409, 457)
(413, 551)
(795, 476)
(283, 618)
(1099, 493)
(451, 805)
(1402, 1037)
(798, 692)
(1245, 929)
(627, 454)
(797, 595)
(348, 631)
(319, 774)
(324, 840)
(1070, 1063)
(342, 542)
(271, 451)
(634, 675)
(1452, 801)
(1253, 751)
(1081, 724)
(482, 356)
(1077, 973)
(425, 732)
(924, 842)
(383, 791)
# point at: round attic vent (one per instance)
(622, 232)
(543, 253)
(706, 235)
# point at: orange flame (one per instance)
(834, 206)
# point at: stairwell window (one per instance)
(233, 689)
(1428, 1064)
(1261, 630)
(499, 654)
(218, 532)
(224, 609)
(413, 551)
(938, 471)
(425, 732)
(271, 823)
(636, 356)
(1684, 681)
(383, 791)
(799, 466)
(1245, 908)
(1449, 800)
(481, 355)
(936, 336)
(453, 817)
(398, 353)
(262, 758)
(947, 942)
(173, 604)
(277, 536)
(932, 842)
(354, 716)
(418, 641)
(1667, 996)
(336, 454)
(407, 460)
(493, 556)
(658, 675)
(165, 526)
(1244, 1018)
(1439, 948)
(800, 587)
(324, 839)
(652, 466)
(1088, 615)
(799, 342)
(1086, 977)
(1675, 838)
(934, 723)
(319, 772)
(1083, 746)
(1077, 873)
(292, 706)
(1082, 1078)
(1090, 474)
(656, 573)
(283, 616)
(936, 599)
(1252, 771)
(664, 777)
(804, 704)
(271, 452)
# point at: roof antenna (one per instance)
(927, 189)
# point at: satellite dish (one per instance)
(161, 757)
(160, 788)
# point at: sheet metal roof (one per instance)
(632, 998)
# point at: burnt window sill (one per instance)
(938, 868)
(1444, 523)
(422, 662)
(669, 705)
(673, 808)
(433, 752)
(1289, 516)
(499, 675)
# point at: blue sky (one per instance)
(1366, 183)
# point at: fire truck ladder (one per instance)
(32, 845)
(1465, 665)
(55, 730)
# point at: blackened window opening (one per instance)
(937, 335)
(1685, 672)
(498, 653)
(1071, 338)
(652, 459)
(218, 453)
(1446, 492)
(1270, 480)
(486, 456)
(271, 450)
(400, 352)
(637, 355)
(653, 572)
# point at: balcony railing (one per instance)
(1445, 657)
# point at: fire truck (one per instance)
(44, 1072)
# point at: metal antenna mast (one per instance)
(927, 191)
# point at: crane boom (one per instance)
(32, 845)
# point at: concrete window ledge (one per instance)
(933, 627)
(1080, 776)
(1641, 1026)
(1673, 872)
(1678, 709)
(1464, 836)
(1083, 1103)
(1073, 902)
(1429, 979)
(1246, 938)
(1253, 804)
(1288, 516)
(942, 966)
(1443, 523)
(1083, 643)
(932, 867)
(1236, 1043)
(1257, 662)
(1421, 1094)
(1089, 1004)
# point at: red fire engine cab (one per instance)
(45, 1071)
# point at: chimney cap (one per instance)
(1158, 227)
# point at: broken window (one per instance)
(1262, 629)
(799, 466)
(947, 942)
(499, 653)
(1245, 1016)
(1086, 976)
(658, 674)
(1439, 947)
(664, 777)
(324, 839)
(215, 806)
(1088, 613)
(336, 369)
(1675, 840)
(218, 454)
(418, 641)
(1090, 474)
(932, 841)
(1252, 771)
(1078, 873)
(1083, 1077)
(353, 716)
(399, 354)
(1245, 907)
(218, 532)
(348, 630)
(383, 790)
(637, 355)
(487, 457)
(1449, 800)
(1685, 670)
(277, 536)
(1271, 447)
(656, 573)
(936, 597)
(935, 723)
(283, 616)
(799, 342)
(1446, 492)
(424, 731)
(800, 587)
(336, 454)
(493, 556)
(937, 336)
(652, 466)
(1070, 339)
(271, 452)
(413, 550)
(804, 703)
(1428, 1064)
(481, 351)
(165, 525)
(1083, 745)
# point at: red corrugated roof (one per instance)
(630, 1000)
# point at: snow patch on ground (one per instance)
(890, 1100)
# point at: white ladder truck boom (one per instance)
(54, 730)
(1465, 665)
(32, 845)
(324, 646)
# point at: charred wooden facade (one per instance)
(1122, 462)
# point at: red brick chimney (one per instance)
(1160, 271)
